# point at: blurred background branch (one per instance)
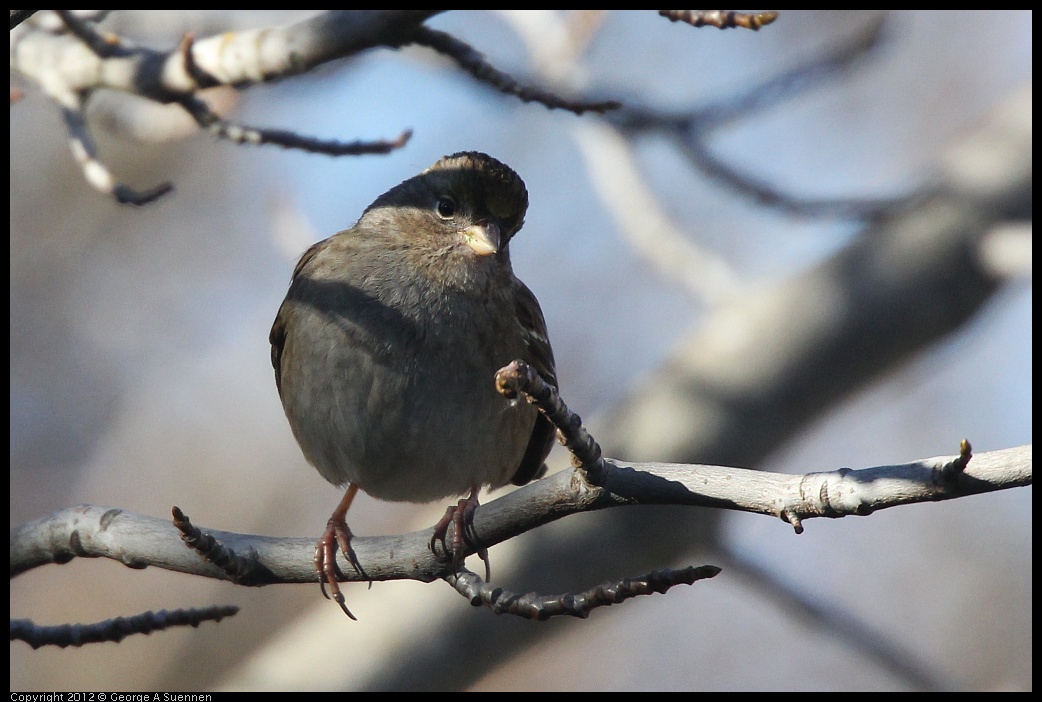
(818, 336)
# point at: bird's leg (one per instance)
(337, 533)
(461, 517)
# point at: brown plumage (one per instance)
(386, 347)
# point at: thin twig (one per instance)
(94, 171)
(103, 45)
(519, 378)
(721, 19)
(692, 128)
(114, 629)
(474, 63)
(241, 569)
(541, 607)
(243, 134)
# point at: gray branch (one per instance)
(139, 541)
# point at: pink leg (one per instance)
(336, 533)
(461, 517)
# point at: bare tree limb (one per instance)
(113, 630)
(94, 171)
(693, 127)
(140, 541)
(242, 134)
(70, 65)
(542, 607)
(238, 58)
(474, 63)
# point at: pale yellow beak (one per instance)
(483, 238)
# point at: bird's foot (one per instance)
(337, 533)
(461, 517)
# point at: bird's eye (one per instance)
(446, 207)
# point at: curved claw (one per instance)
(461, 517)
(337, 534)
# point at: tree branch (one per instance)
(691, 128)
(139, 541)
(472, 61)
(542, 607)
(70, 66)
(114, 630)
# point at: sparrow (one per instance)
(387, 344)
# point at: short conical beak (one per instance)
(483, 238)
